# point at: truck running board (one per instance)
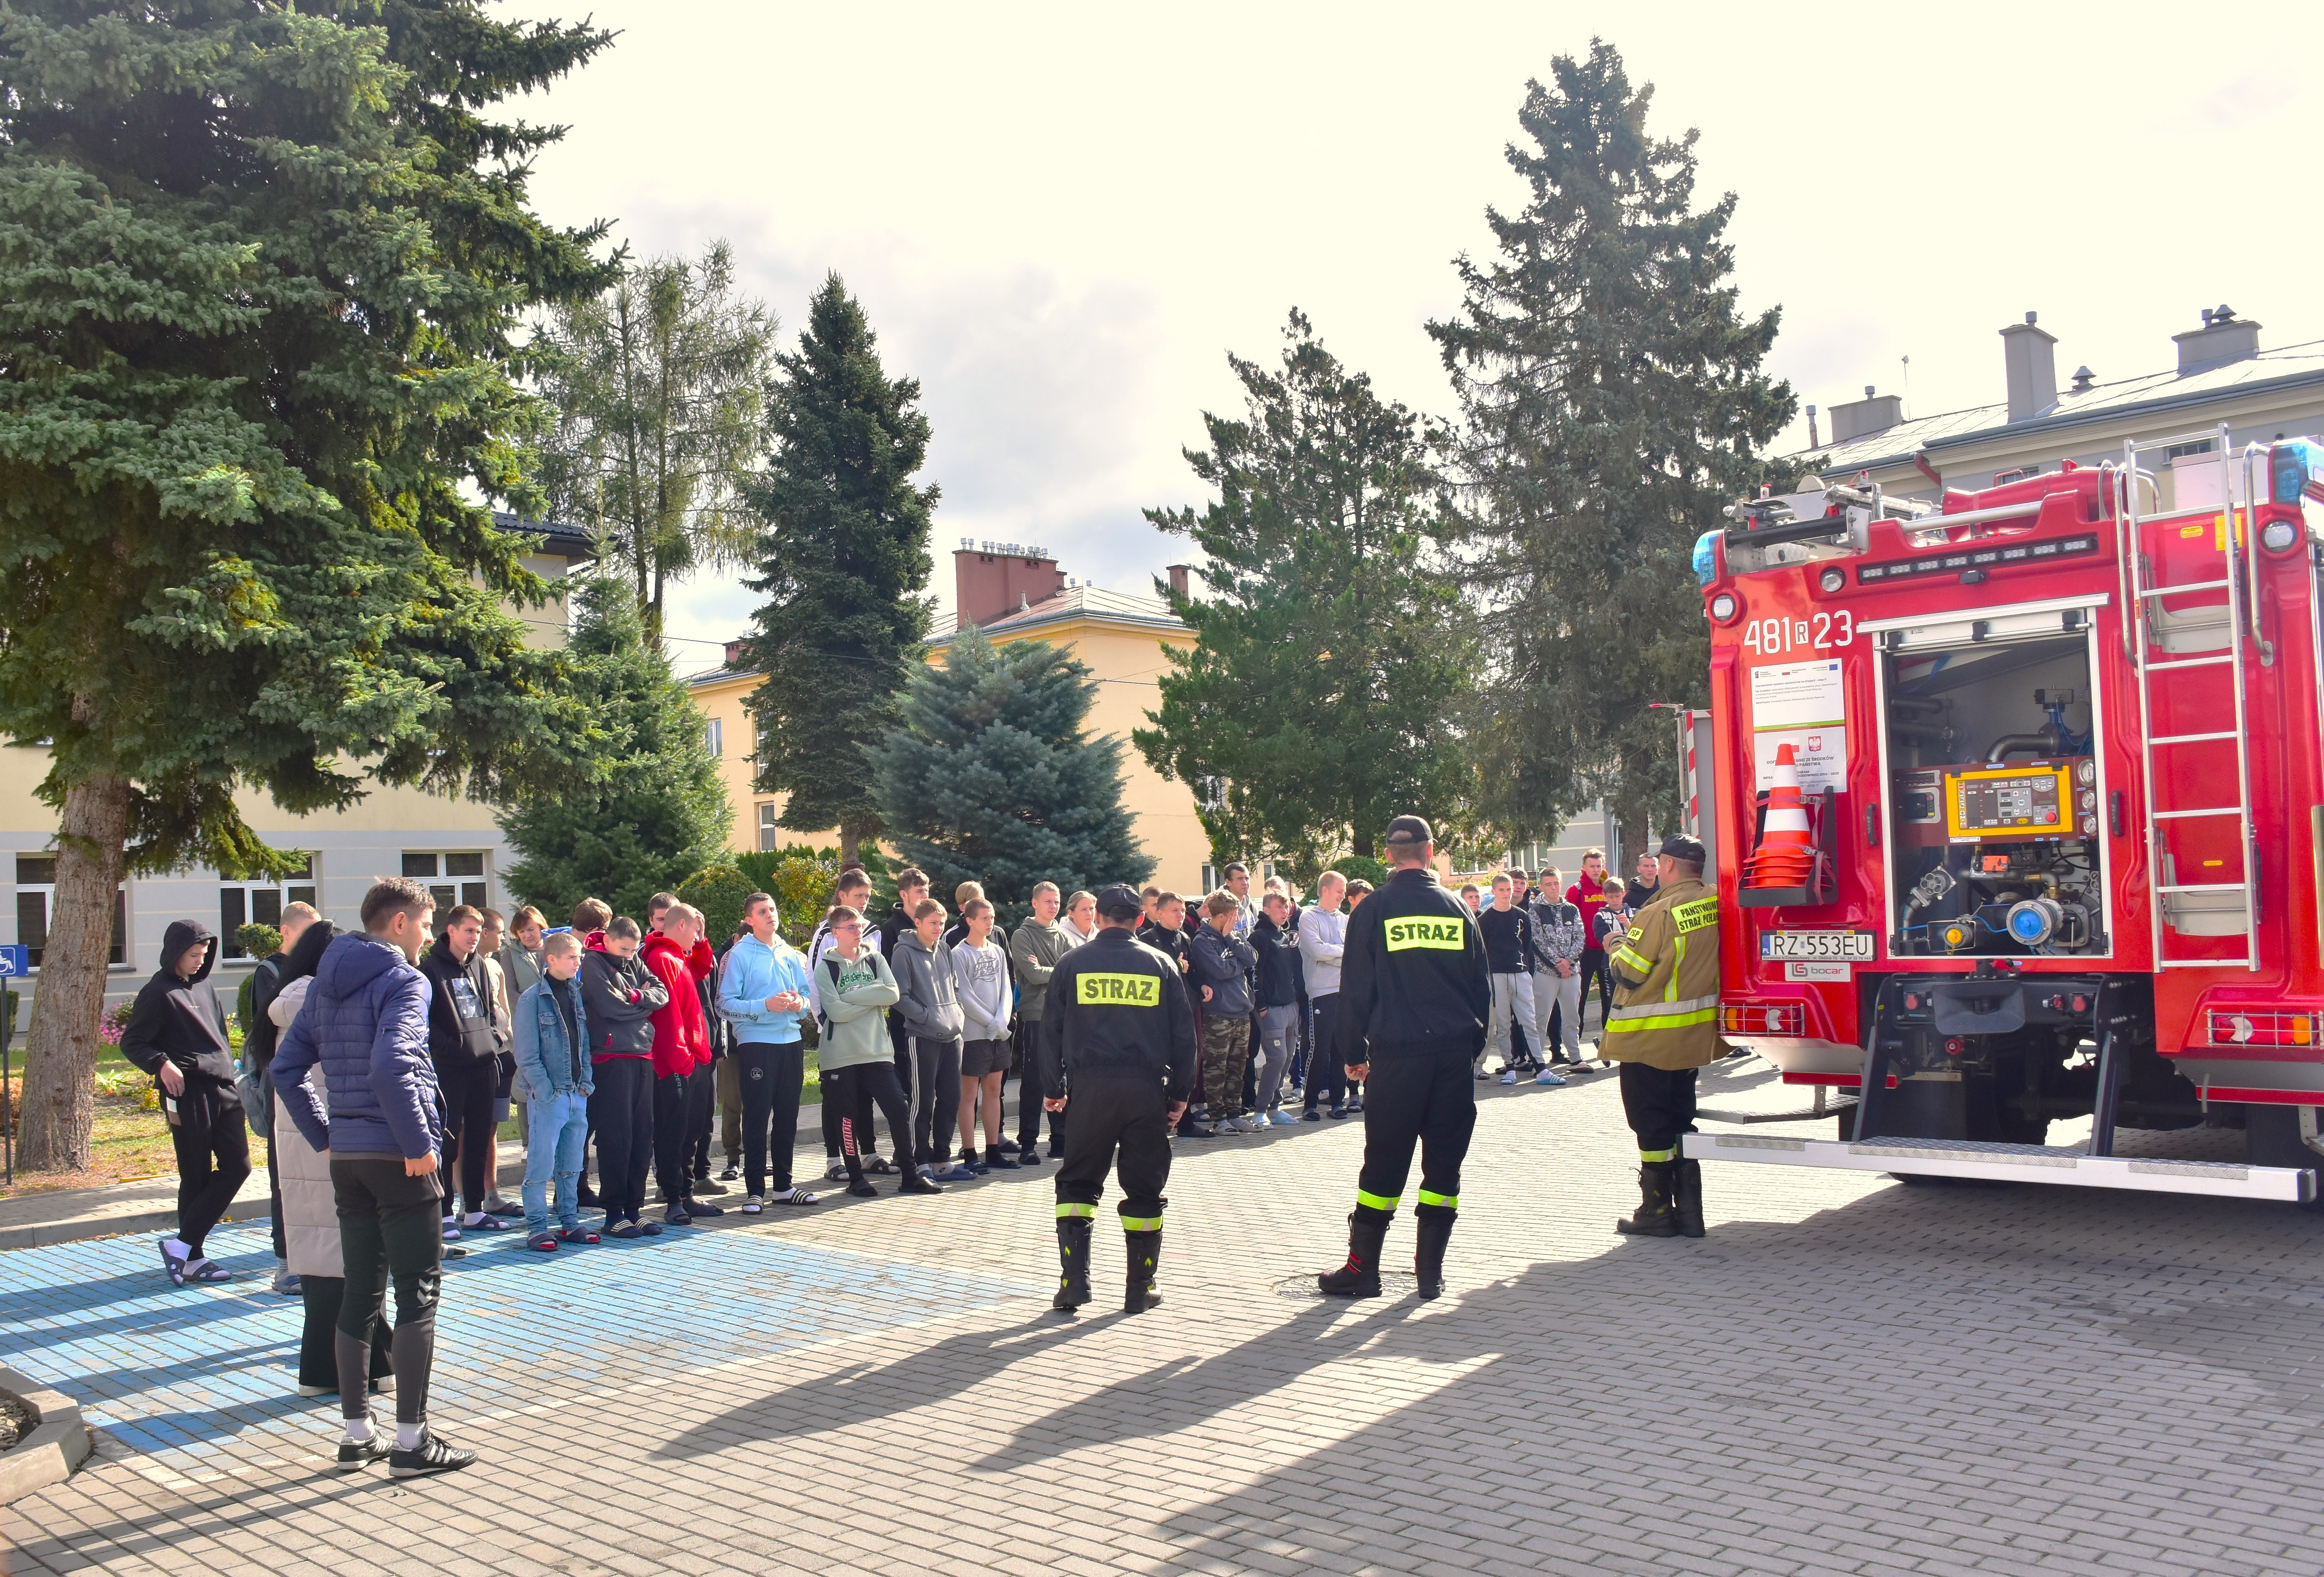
(2012, 1163)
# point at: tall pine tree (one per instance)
(843, 564)
(662, 813)
(260, 270)
(1328, 659)
(1613, 401)
(989, 777)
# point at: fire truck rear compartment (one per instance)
(1994, 801)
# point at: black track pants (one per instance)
(1326, 1075)
(1127, 1116)
(1030, 1111)
(773, 1073)
(212, 1141)
(622, 1109)
(1658, 1103)
(855, 1091)
(673, 1106)
(471, 1142)
(391, 1227)
(1424, 1098)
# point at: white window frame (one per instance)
(287, 891)
(768, 832)
(449, 886)
(714, 733)
(47, 893)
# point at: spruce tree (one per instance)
(989, 777)
(1313, 706)
(1613, 402)
(260, 270)
(662, 813)
(843, 564)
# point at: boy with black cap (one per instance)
(1664, 1026)
(1415, 995)
(1118, 1042)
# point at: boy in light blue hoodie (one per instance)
(762, 995)
(558, 1079)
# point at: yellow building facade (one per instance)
(1122, 638)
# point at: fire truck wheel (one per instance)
(2271, 1139)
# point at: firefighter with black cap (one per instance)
(1664, 1027)
(1415, 996)
(1118, 1043)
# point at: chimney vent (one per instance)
(993, 580)
(2224, 338)
(1874, 413)
(2083, 379)
(2030, 357)
(1814, 442)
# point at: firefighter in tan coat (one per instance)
(1664, 1027)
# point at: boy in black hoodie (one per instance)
(177, 1032)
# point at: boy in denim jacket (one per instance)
(554, 1063)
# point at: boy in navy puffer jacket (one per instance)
(366, 1022)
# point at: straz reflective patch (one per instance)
(1118, 990)
(1425, 931)
(1696, 914)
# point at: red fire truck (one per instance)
(2061, 743)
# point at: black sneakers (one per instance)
(354, 1457)
(431, 1455)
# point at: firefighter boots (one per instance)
(1073, 1258)
(1655, 1217)
(1360, 1276)
(1434, 1223)
(1686, 1199)
(1145, 1250)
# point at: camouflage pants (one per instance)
(1226, 1048)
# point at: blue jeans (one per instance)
(557, 1126)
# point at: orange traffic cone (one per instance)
(1785, 856)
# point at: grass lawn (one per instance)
(131, 1142)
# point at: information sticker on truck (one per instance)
(1849, 947)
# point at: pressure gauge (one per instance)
(2086, 772)
(2087, 799)
(2090, 826)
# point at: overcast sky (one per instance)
(1060, 218)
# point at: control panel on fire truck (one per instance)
(2009, 801)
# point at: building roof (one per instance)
(556, 538)
(1078, 603)
(2151, 394)
(1123, 609)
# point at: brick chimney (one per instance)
(1180, 575)
(992, 580)
(733, 654)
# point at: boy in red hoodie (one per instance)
(680, 957)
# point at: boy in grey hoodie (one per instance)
(980, 971)
(933, 1022)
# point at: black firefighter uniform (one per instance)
(1664, 1025)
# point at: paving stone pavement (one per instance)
(1846, 1376)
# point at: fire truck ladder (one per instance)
(2216, 631)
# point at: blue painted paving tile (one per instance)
(196, 1376)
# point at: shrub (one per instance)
(1356, 865)
(718, 891)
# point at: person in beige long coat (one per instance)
(310, 1211)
